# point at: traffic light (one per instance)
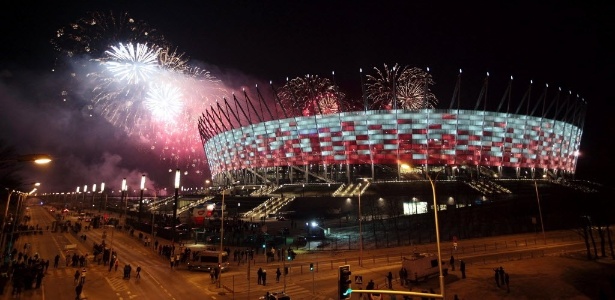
(311, 267)
(344, 288)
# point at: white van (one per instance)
(207, 260)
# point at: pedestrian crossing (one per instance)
(295, 291)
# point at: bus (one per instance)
(209, 259)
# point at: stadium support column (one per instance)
(277, 176)
(348, 171)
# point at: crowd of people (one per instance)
(23, 271)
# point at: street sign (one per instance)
(358, 279)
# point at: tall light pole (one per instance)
(542, 224)
(123, 195)
(93, 192)
(102, 194)
(141, 198)
(85, 191)
(76, 196)
(177, 175)
(6, 213)
(435, 212)
(360, 230)
(221, 244)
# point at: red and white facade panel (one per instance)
(425, 137)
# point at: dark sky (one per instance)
(565, 44)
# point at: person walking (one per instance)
(82, 276)
(497, 276)
(501, 276)
(264, 277)
(507, 281)
(452, 263)
(138, 272)
(117, 264)
(390, 280)
(462, 268)
(77, 276)
(56, 261)
(259, 274)
(78, 290)
(278, 273)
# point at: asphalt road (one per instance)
(159, 281)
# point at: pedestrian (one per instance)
(259, 274)
(83, 276)
(212, 275)
(138, 272)
(452, 263)
(172, 261)
(401, 276)
(78, 291)
(501, 276)
(390, 280)
(264, 277)
(462, 268)
(497, 276)
(278, 273)
(117, 264)
(56, 261)
(507, 281)
(77, 276)
(370, 285)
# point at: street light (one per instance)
(123, 195)
(141, 198)
(102, 194)
(221, 243)
(21, 198)
(177, 175)
(85, 191)
(360, 230)
(76, 196)
(435, 209)
(6, 213)
(40, 159)
(93, 192)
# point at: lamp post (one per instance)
(76, 196)
(124, 196)
(39, 159)
(542, 224)
(85, 191)
(6, 213)
(435, 209)
(102, 195)
(141, 198)
(360, 230)
(177, 175)
(93, 192)
(221, 243)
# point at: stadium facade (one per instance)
(535, 140)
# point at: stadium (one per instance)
(306, 142)
(403, 141)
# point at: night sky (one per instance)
(242, 43)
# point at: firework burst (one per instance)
(133, 64)
(402, 88)
(311, 95)
(139, 83)
(95, 33)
